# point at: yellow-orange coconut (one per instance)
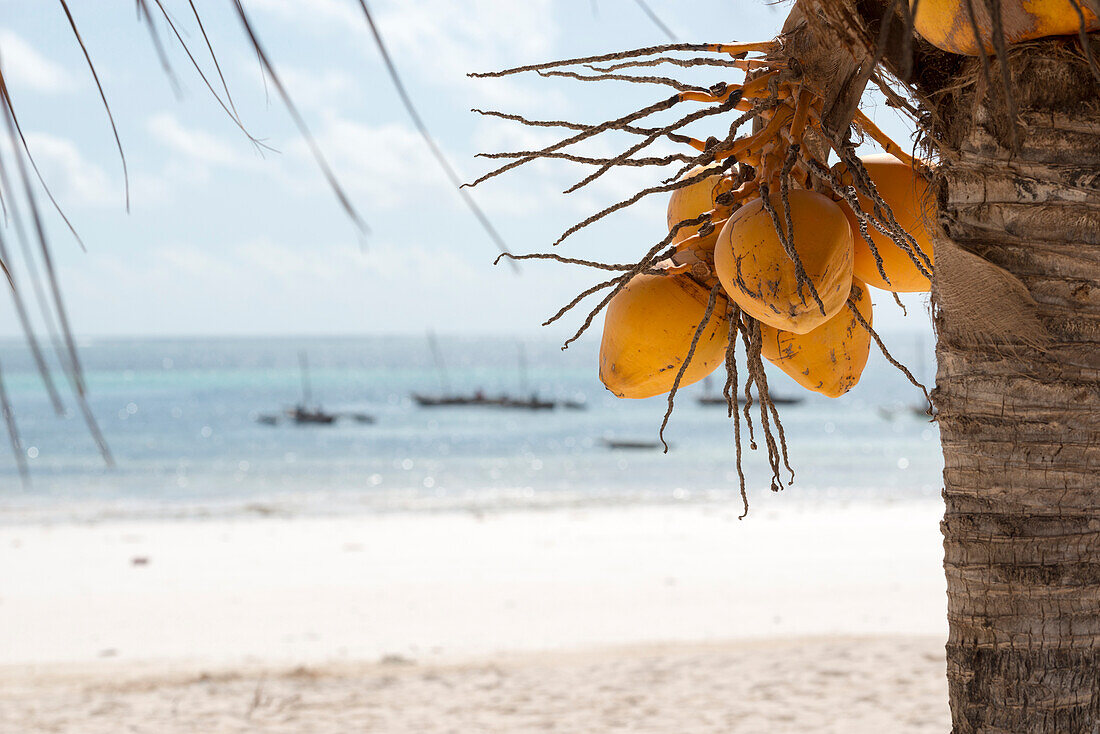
(908, 195)
(829, 359)
(759, 276)
(647, 332)
(946, 23)
(691, 201)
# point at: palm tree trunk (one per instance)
(1020, 423)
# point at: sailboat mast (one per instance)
(439, 366)
(303, 364)
(522, 369)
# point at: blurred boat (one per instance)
(448, 399)
(303, 413)
(451, 400)
(531, 403)
(710, 398)
(628, 444)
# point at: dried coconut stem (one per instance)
(672, 61)
(624, 280)
(580, 297)
(756, 375)
(584, 135)
(787, 240)
(566, 260)
(639, 162)
(557, 123)
(687, 360)
(729, 391)
(901, 305)
(745, 321)
(664, 188)
(662, 80)
(649, 139)
(882, 211)
(886, 352)
(634, 53)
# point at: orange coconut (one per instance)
(647, 332)
(909, 197)
(946, 23)
(829, 359)
(759, 276)
(691, 201)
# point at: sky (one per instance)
(223, 238)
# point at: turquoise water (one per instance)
(180, 418)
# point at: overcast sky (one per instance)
(222, 240)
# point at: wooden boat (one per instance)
(631, 445)
(709, 398)
(531, 403)
(303, 413)
(448, 399)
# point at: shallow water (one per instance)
(180, 417)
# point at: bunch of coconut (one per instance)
(808, 288)
(957, 25)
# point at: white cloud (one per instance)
(196, 145)
(444, 41)
(262, 286)
(385, 164)
(25, 67)
(443, 33)
(319, 88)
(469, 36)
(72, 178)
(441, 41)
(325, 13)
(390, 167)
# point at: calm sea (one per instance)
(180, 417)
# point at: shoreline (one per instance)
(354, 503)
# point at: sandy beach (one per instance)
(648, 619)
(836, 685)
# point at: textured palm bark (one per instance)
(1021, 425)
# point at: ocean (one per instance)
(180, 416)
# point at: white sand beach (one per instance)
(647, 619)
